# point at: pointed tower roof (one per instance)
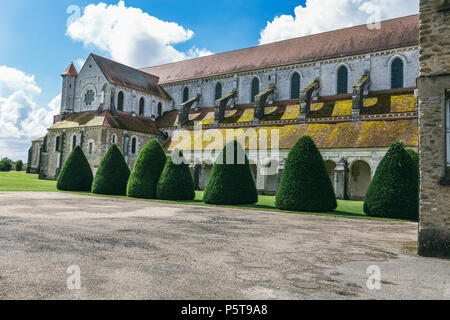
(70, 71)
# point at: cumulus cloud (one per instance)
(21, 118)
(325, 15)
(131, 36)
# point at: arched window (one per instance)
(397, 74)
(74, 142)
(342, 80)
(255, 89)
(185, 94)
(159, 110)
(133, 145)
(57, 143)
(218, 92)
(91, 148)
(114, 138)
(295, 86)
(141, 107)
(120, 101)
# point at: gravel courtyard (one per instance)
(131, 249)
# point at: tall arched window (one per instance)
(57, 143)
(342, 80)
(74, 142)
(133, 145)
(397, 74)
(120, 101)
(185, 94)
(159, 110)
(295, 86)
(141, 106)
(255, 89)
(218, 92)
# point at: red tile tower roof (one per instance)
(70, 71)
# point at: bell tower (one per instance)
(68, 89)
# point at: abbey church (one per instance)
(354, 91)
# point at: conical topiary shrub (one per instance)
(76, 173)
(394, 190)
(176, 182)
(305, 184)
(146, 172)
(231, 184)
(414, 155)
(112, 175)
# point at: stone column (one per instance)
(341, 179)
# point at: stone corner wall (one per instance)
(434, 80)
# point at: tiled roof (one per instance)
(363, 134)
(395, 33)
(70, 71)
(124, 121)
(377, 103)
(128, 77)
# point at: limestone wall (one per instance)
(434, 83)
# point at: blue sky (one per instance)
(37, 42)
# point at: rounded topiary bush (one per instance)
(231, 184)
(394, 190)
(76, 173)
(146, 171)
(305, 184)
(176, 182)
(5, 164)
(112, 175)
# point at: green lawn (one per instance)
(20, 181)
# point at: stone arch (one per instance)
(218, 91)
(185, 94)
(73, 141)
(134, 145)
(142, 106)
(57, 143)
(159, 110)
(359, 179)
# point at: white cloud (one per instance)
(325, 15)
(21, 119)
(131, 36)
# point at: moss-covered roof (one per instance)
(123, 121)
(362, 134)
(325, 107)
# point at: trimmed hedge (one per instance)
(112, 175)
(231, 184)
(146, 172)
(394, 190)
(305, 184)
(414, 155)
(176, 182)
(76, 173)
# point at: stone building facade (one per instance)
(351, 90)
(434, 128)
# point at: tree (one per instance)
(305, 184)
(112, 175)
(19, 165)
(231, 182)
(176, 182)
(394, 190)
(5, 164)
(146, 172)
(76, 173)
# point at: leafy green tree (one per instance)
(394, 190)
(6, 164)
(146, 171)
(19, 165)
(76, 173)
(305, 184)
(176, 182)
(112, 175)
(231, 182)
